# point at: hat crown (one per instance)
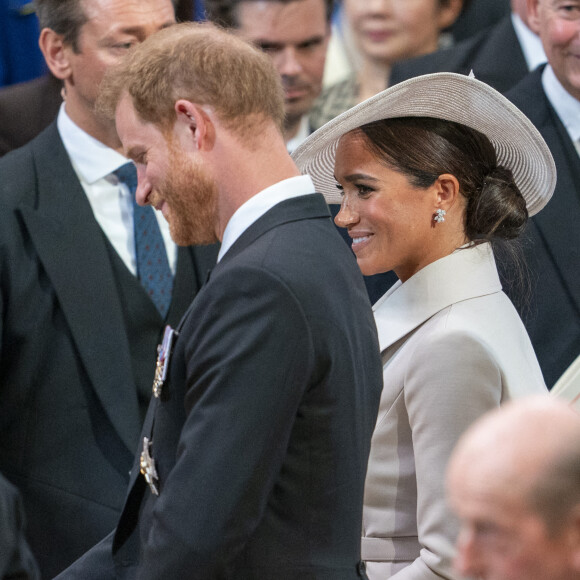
(452, 97)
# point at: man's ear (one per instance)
(533, 16)
(56, 53)
(195, 124)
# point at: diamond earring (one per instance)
(439, 216)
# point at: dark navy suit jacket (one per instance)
(262, 432)
(552, 243)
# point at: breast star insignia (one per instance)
(147, 465)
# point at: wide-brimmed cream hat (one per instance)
(454, 97)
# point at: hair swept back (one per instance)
(225, 12)
(65, 17)
(202, 64)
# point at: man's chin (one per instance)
(295, 110)
(186, 237)
(186, 242)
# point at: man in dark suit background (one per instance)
(26, 108)
(295, 34)
(499, 56)
(550, 97)
(255, 445)
(78, 331)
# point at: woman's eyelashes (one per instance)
(361, 189)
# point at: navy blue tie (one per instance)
(153, 268)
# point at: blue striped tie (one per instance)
(153, 268)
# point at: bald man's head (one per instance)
(514, 481)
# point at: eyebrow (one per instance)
(356, 176)
(138, 30)
(263, 42)
(317, 39)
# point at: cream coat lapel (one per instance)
(467, 273)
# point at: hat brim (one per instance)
(453, 97)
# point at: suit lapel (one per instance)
(500, 62)
(185, 285)
(72, 249)
(193, 265)
(562, 213)
(298, 208)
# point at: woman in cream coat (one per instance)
(432, 174)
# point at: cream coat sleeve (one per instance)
(452, 378)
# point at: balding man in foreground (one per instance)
(514, 481)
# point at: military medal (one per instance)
(147, 465)
(162, 365)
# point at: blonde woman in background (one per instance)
(381, 33)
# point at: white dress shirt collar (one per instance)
(565, 105)
(303, 133)
(111, 201)
(530, 43)
(259, 204)
(91, 159)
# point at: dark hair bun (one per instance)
(499, 211)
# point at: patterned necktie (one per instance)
(152, 265)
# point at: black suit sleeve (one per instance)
(249, 356)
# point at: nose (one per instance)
(379, 7)
(468, 561)
(347, 216)
(143, 188)
(289, 62)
